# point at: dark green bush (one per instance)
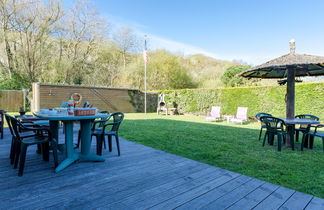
(309, 99)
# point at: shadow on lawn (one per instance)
(231, 133)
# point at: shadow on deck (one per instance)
(140, 178)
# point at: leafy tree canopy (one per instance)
(41, 41)
(231, 79)
(166, 72)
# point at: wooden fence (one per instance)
(11, 100)
(103, 98)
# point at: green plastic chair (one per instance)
(312, 135)
(22, 142)
(12, 151)
(263, 126)
(1, 123)
(275, 127)
(101, 131)
(304, 128)
(96, 125)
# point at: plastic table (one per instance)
(70, 155)
(291, 127)
(228, 117)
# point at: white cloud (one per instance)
(158, 42)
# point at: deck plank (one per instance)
(276, 199)
(235, 195)
(297, 202)
(191, 193)
(213, 178)
(103, 202)
(144, 194)
(315, 204)
(142, 177)
(214, 194)
(74, 183)
(255, 197)
(110, 188)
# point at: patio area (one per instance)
(140, 178)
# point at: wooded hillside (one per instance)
(40, 41)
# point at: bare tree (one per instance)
(35, 23)
(27, 26)
(84, 30)
(126, 40)
(107, 67)
(7, 11)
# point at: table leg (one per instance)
(54, 125)
(86, 143)
(69, 147)
(290, 136)
(85, 136)
(70, 155)
(311, 141)
(68, 161)
(306, 141)
(85, 154)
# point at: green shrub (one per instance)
(230, 77)
(309, 99)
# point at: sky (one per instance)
(254, 31)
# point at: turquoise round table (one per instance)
(85, 123)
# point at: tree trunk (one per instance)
(9, 53)
(124, 59)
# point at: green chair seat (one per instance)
(274, 127)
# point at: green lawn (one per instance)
(232, 147)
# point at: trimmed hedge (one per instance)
(309, 99)
(137, 100)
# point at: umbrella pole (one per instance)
(290, 105)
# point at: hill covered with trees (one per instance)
(40, 41)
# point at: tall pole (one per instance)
(145, 87)
(290, 106)
(145, 62)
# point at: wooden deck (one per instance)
(140, 178)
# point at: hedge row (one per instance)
(309, 99)
(137, 100)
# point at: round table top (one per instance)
(70, 117)
(300, 121)
(27, 117)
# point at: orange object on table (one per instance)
(84, 111)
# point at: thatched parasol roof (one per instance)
(303, 64)
(290, 66)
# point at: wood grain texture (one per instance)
(140, 178)
(11, 100)
(101, 98)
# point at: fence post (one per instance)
(36, 97)
(24, 98)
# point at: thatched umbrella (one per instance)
(289, 66)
